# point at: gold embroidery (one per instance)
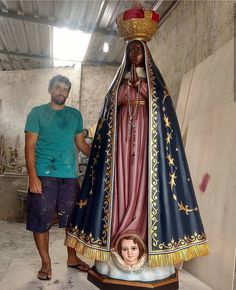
(171, 163)
(83, 203)
(172, 180)
(162, 258)
(182, 242)
(88, 238)
(154, 185)
(175, 257)
(186, 208)
(167, 122)
(168, 138)
(109, 173)
(87, 251)
(171, 160)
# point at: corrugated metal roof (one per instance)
(26, 29)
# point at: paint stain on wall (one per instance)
(204, 182)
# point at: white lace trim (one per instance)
(122, 266)
(140, 72)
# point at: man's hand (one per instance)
(35, 185)
(81, 144)
(34, 182)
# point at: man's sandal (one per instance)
(82, 266)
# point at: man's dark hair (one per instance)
(61, 79)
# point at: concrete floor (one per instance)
(19, 263)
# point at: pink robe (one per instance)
(130, 187)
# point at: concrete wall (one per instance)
(193, 31)
(12, 207)
(95, 83)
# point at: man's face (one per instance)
(59, 93)
(136, 54)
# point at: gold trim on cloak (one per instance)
(179, 256)
(86, 251)
(153, 260)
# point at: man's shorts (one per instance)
(59, 195)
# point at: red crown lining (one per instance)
(138, 13)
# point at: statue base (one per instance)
(105, 283)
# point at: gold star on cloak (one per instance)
(171, 160)
(168, 138)
(186, 208)
(167, 122)
(83, 203)
(172, 180)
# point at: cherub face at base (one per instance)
(129, 252)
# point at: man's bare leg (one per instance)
(42, 243)
(74, 261)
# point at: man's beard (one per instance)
(59, 100)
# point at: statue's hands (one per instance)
(133, 76)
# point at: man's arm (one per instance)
(81, 144)
(34, 181)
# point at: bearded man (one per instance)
(52, 132)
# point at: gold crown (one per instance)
(141, 26)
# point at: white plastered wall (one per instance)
(207, 114)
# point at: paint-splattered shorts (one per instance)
(59, 195)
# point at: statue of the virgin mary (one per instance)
(137, 182)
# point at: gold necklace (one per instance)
(131, 116)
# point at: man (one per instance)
(51, 133)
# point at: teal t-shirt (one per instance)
(55, 149)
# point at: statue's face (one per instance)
(136, 54)
(129, 252)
